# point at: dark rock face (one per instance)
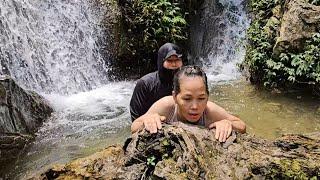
(21, 113)
(190, 152)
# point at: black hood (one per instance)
(166, 75)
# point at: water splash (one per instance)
(52, 46)
(93, 112)
(82, 123)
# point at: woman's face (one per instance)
(192, 98)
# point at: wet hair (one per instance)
(189, 71)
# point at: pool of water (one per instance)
(268, 115)
(85, 123)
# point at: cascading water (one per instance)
(52, 46)
(217, 37)
(60, 49)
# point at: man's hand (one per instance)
(153, 122)
(223, 129)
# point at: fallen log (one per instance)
(191, 152)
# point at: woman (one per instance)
(189, 103)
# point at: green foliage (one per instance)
(299, 68)
(151, 23)
(289, 69)
(161, 19)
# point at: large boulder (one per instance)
(21, 113)
(190, 152)
(299, 22)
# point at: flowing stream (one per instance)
(59, 49)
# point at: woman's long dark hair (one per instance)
(189, 71)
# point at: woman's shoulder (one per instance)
(211, 106)
(214, 108)
(215, 112)
(167, 101)
(163, 105)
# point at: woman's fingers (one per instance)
(217, 132)
(153, 127)
(153, 123)
(162, 118)
(226, 133)
(158, 122)
(223, 129)
(149, 126)
(223, 136)
(212, 125)
(229, 131)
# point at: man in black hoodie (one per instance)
(158, 84)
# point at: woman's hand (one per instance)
(223, 129)
(153, 122)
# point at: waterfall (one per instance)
(61, 49)
(217, 37)
(54, 46)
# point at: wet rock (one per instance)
(10, 146)
(190, 152)
(21, 113)
(299, 22)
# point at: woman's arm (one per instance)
(151, 121)
(223, 122)
(154, 117)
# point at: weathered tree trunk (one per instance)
(190, 152)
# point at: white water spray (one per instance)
(53, 46)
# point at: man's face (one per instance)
(173, 62)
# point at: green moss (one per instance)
(292, 169)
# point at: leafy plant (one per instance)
(161, 19)
(289, 69)
(152, 23)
